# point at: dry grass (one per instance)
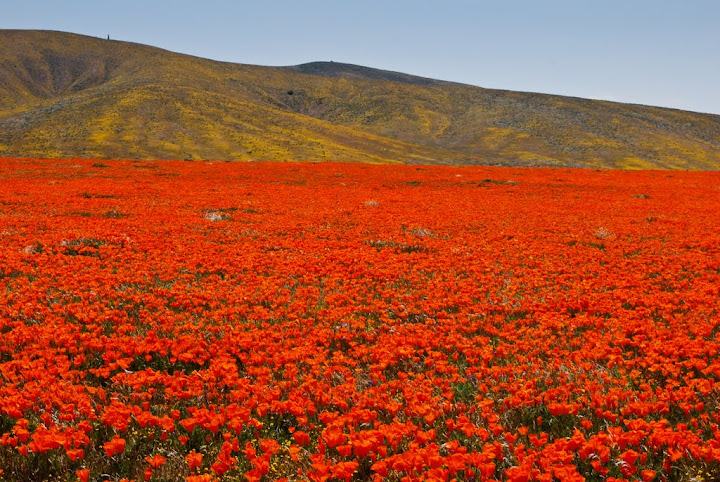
(65, 95)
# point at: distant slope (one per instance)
(349, 71)
(67, 95)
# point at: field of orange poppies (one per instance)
(246, 321)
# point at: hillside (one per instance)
(67, 95)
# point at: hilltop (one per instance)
(68, 95)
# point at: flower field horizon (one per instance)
(198, 321)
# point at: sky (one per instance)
(659, 52)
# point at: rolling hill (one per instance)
(68, 95)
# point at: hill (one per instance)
(67, 95)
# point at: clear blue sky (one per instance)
(657, 52)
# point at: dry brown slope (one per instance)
(64, 95)
(506, 125)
